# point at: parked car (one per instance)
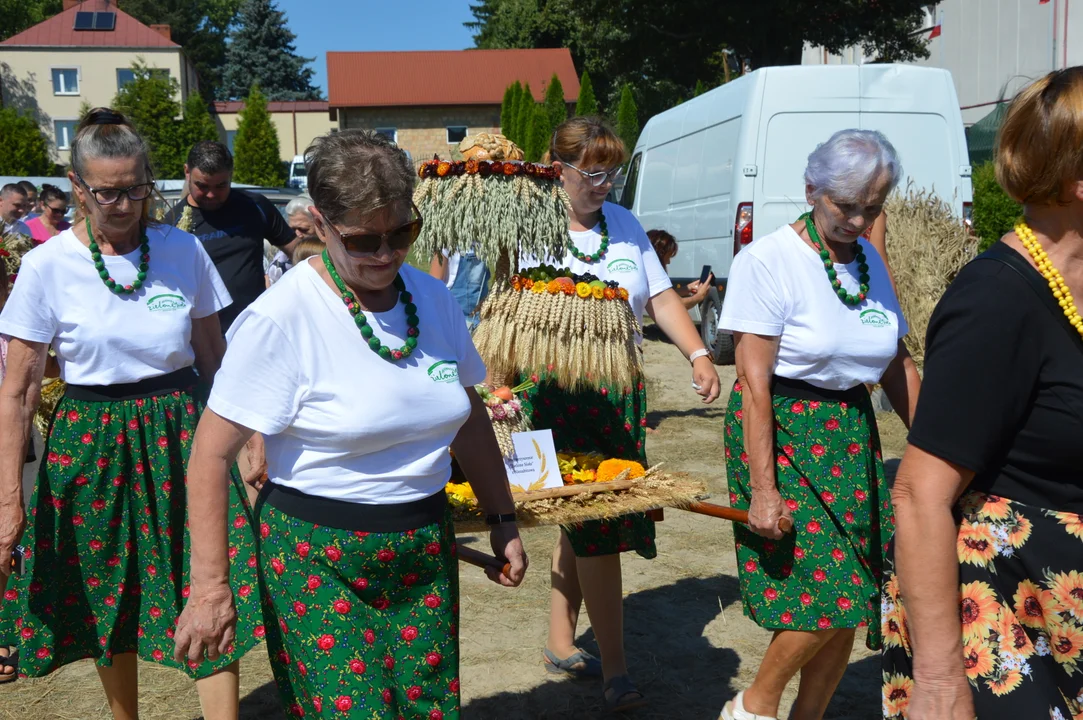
(279, 196)
(728, 166)
(298, 176)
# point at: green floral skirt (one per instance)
(359, 624)
(107, 571)
(827, 572)
(611, 422)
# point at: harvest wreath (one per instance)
(507, 168)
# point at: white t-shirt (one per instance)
(778, 287)
(452, 261)
(104, 339)
(340, 421)
(630, 260)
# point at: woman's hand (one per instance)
(698, 290)
(705, 379)
(766, 510)
(257, 461)
(207, 625)
(940, 700)
(507, 545)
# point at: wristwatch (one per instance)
(494, 519)
(696, 355)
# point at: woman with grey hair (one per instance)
(814, 319)
(300, 221)
(374, 383)
(131, 308)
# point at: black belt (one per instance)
(181, 380)
(355, 517)
(801, 390)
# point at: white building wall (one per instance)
(992, 48)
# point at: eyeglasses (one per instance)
(110, 196)
(401, 238)
(597, 179)
(57, 210)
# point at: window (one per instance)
(126, 76)
(65, 81)
(65, 133)
(231, 135)
(628, 192)
(456, 134)
(389, 133)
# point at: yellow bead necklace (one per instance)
(1051, 275)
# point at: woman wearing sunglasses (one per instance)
(369, 383)
(609, 243)
(130, 307)
(51, 222)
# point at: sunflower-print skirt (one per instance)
(612, 422)
(1021, 607)
(107, 571)
(826, 573)
(360, 624)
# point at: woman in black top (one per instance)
(984, 616)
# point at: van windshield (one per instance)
(299, 170)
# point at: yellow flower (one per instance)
(1071, 522)
(1004, 682)
(1020, 531)
(539, 288)
(1066, 641)
(1012, 639)
(584, 476)
(977, 659)
(978, 610)
(1067, 588)
(610, 469)
(582, 290)
(598, 292)
(1033, 606)
(896, 695)
(995, 508)
(894, 628)
(460, 494)
(975, 543)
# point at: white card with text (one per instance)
(535, 465)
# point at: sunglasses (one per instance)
(110, 196)
(57, 210)
(401, 238)
(597, 179)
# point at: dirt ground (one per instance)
(689, 647)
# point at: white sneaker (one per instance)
(735, 710)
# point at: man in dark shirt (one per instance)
(231, 223)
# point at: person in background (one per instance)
(51, 222)
(983, 613)
(814, 319)
(305, 248)
(231, 223)
(131, 307)
(300, 221)
(877, 237)
(467, 276)
(33, 202)
(13, 206)
(665, 245)
(335, 366)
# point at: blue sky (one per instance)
(322, 25)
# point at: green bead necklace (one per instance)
(862, 267)
(103, 273)
(601, 248)
(351, 303)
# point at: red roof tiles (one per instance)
(58, 31)
(275, 106)
(455, 77)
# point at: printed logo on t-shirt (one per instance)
(445, 371)
(166, 303)
(875, 318)
(622, 265)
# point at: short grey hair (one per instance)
(846, 165)
(105, 133)
(357, 170)
(299, 205)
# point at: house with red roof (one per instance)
(83, 54)
(429, 101)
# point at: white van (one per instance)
(728, 166)
(298, 173)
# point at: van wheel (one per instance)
(719, 343)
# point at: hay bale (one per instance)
(927, 246)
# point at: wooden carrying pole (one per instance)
(484, 560)
(727, 513)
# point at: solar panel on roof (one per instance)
(105, 20)
(84, 21)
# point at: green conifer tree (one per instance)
(587, 104)
(261, 50)
(700, 89)
(627, 118)
(541, 132)
(256, 158)
(197, 124)
(523, 116)
(555, 104)
(509, 107)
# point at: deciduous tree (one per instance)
(150, 102)
(26, 151)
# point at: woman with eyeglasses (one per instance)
(51, 222)
(609, 243)
(131, 308)
(371, 382)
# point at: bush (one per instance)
(26, 151)
(927, 246)
(994, 212)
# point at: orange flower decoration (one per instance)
(553, 287)
(1034, 606)
(443, 169)
(471, 166)
(610, 469)
(623, 294)
(978, 610)
(528, 283)
(510, 168)
(610, 293)
(597, 292)
(516, 282)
